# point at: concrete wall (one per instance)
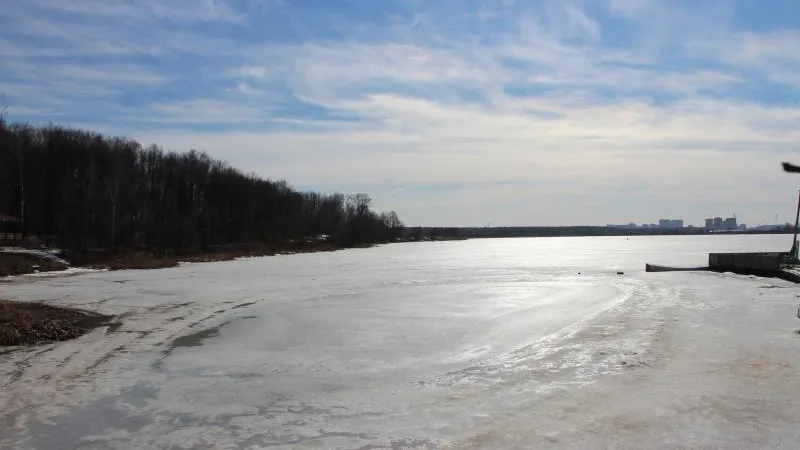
(746, 262)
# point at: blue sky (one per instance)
(452, 112)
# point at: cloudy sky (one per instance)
(452, 112)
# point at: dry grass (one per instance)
(23, 323)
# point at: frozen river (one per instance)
(509, 343)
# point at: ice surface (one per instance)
(513, 343)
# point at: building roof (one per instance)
(7, 218)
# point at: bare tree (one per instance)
(20, 164)
(393, 221)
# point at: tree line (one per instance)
(89, 191)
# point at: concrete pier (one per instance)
(748, 262)
(767, 264)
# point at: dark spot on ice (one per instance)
(244, 376)
(306, 410)
(113, 327)
(175, 306)
(196, 339)
(244, 304)
(298, 422)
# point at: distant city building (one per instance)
(742, 227)
(720, 224)
(670, 223)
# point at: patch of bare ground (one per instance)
(26, 323)
(23, 263)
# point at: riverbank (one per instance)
(151, 260)
(26, 261)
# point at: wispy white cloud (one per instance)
(786, 76)
(568, 20)
(202, 111)
(248, 90)
(249, 71)
(41, 29)
(748, 47)
(108, 73)
(579, 19)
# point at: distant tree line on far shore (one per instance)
(452, 233)
(91, 191)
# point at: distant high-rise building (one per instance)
(670, 223)
(720, 224)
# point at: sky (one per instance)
(450, 112)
